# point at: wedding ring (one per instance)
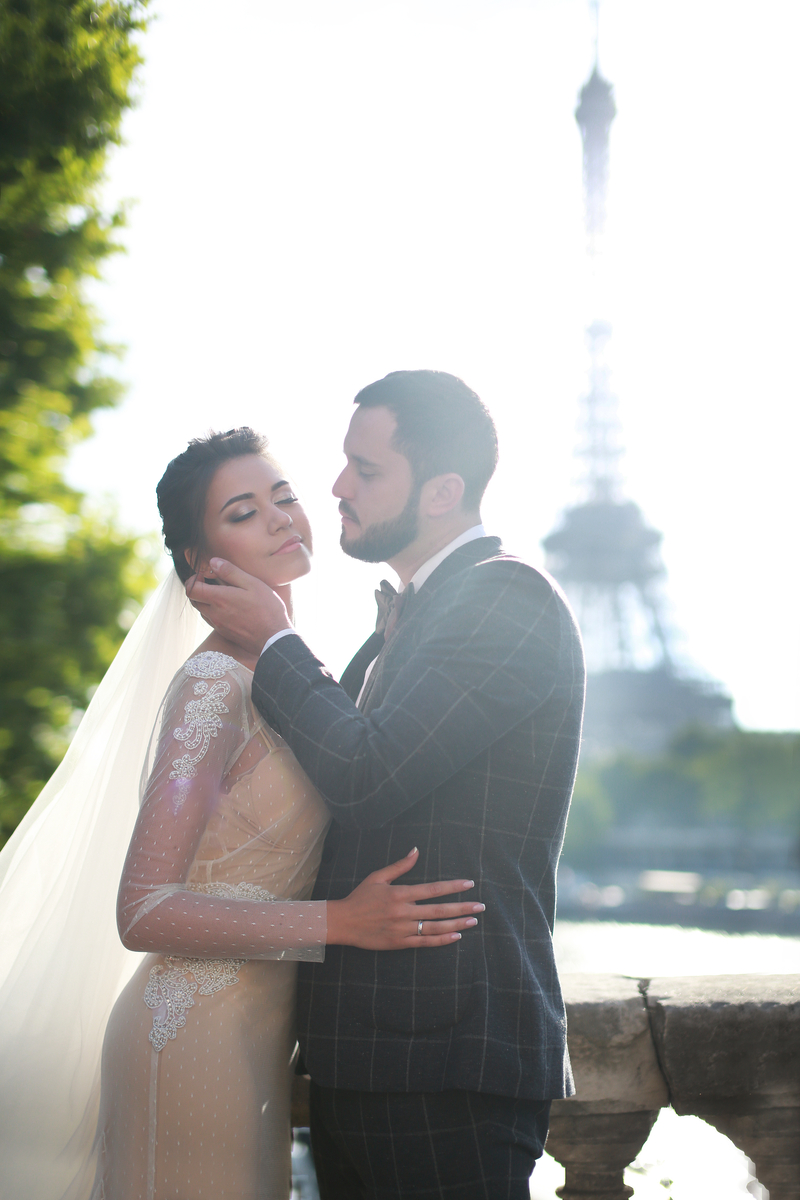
(419, 928)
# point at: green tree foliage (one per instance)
(738, 777)
(66, 70)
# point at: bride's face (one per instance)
(254, 520)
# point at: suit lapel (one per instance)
(353, 674)
(465, 556)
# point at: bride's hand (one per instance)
(377, 916)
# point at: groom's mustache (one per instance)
(346, 511)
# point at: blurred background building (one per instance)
(604, 552)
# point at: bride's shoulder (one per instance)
(212, 664)
(208, 683)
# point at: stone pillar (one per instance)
(619, 1087)
(770, 1137)
(595, 1148)
(729, 1047)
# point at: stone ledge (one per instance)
(611, 1047)
(725, 1048)
(728, 1040)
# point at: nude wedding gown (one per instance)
(196, 1060)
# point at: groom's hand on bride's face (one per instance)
(243, 609)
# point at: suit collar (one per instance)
(465, 556)
(426, 570)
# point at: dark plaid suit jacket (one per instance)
(466, 747)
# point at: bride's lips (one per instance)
(290, 544)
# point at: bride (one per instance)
(197, 1050)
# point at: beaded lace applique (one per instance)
(170, 991)
(234, 891)
(210, 665)
(171, 986)
(201, 719)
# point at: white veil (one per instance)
(61, 962)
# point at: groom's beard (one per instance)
(379, 543)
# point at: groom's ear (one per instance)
(441, 495)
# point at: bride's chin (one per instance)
(286, 573)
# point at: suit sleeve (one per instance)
(487, 661)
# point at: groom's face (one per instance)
(378, 499)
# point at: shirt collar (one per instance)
(427, 569)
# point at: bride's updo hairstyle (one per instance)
(183, 489)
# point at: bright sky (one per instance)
(327, 190)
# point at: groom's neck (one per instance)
(432, 538)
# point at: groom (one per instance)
(455, 728)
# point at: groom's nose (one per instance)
(340, 488)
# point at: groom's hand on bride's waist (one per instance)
(238, 606)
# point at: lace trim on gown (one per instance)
(172, 985)
(202, 719)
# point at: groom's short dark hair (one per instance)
(442, 426)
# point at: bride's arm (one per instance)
(157, 912)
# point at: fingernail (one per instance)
(468, 883)
(216, 563)
(471, 921)
(479, 908)
(454, 937)
(413, 850)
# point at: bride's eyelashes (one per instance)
(285, 500)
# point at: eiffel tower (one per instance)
(604, 552)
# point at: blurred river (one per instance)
(683, 1159)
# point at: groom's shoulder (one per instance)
(516, 598)
(483, 580)
(500, 571)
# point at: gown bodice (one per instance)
(268, 824)
(227, 814)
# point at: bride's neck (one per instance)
(223, 645)
(285, 593)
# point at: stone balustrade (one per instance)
(725, 1048)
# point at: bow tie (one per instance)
(391, 604)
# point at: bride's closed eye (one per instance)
(283, 502)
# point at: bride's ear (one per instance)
(201, 567)
(199, 563)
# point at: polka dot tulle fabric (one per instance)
(196, 1061)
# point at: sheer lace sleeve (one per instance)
(205, 728)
